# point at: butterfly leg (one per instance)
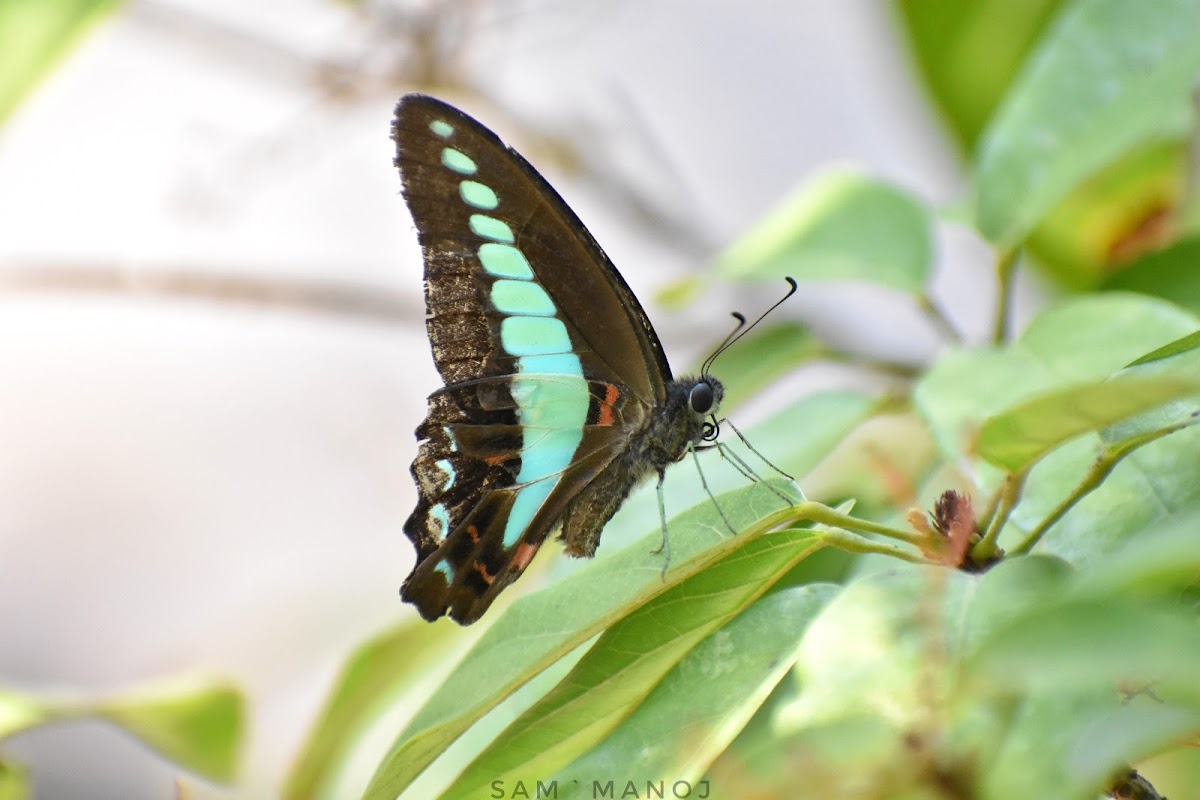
(734, 461)
(665, 545)
(741, 466)
(711, 496)
(750, 447)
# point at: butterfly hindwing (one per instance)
(551, 367)
(472, 537)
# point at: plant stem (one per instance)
(892, 369)
(1101, 467)
(989, 511)
(1006, 266)
(938, 317)
(825, 515)
(852, 543)
(1010, 493)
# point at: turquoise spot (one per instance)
(491, 228)
(444, 567)
(534, 336)
(441, 128)
(521, 297)
(552, 410)
(478, 195)
(450, 435)
(504, 261)
(439, 513)
(459, 162)
(445, 466)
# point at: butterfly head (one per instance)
(704, 402)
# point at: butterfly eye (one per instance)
(701, 398)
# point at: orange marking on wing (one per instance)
(483, 573)
(606, 416)
(497, 459)
(473, 532)
(525, 554)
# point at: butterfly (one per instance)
(558, 398)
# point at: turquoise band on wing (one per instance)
(549, 389)
(552, 411)
(534, 336)
(551, 364)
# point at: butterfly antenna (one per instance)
(742, 328)
(741, 322)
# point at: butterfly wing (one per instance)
(549, 361)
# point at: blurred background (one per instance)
(212, 354)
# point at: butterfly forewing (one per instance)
(549, 361)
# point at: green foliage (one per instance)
(34, 34)
(968, 52)
(1090, 186)
(841, 226)
(1061, 657)
(196, 723)
(14, 781)
(1128, 69)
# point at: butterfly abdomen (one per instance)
(671, 429)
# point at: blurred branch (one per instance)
(388, 50)
(1006, 265)
(309, 296)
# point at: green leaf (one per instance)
(1067, 745)
(693, 714)
(14, 781)
(968, 53)
(1086, 339)
(1019, 436)
(841, 226)
(1082, 340)
(542, 627)
(1161, 560)
(864, 653)
(196, 724)
(372, 676)
(1086, 644)
(1014, 587)
(1169, 273)
(1108, 75)
(34, 35)
(1124, 209)
(628, 661)
(1184, 344)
